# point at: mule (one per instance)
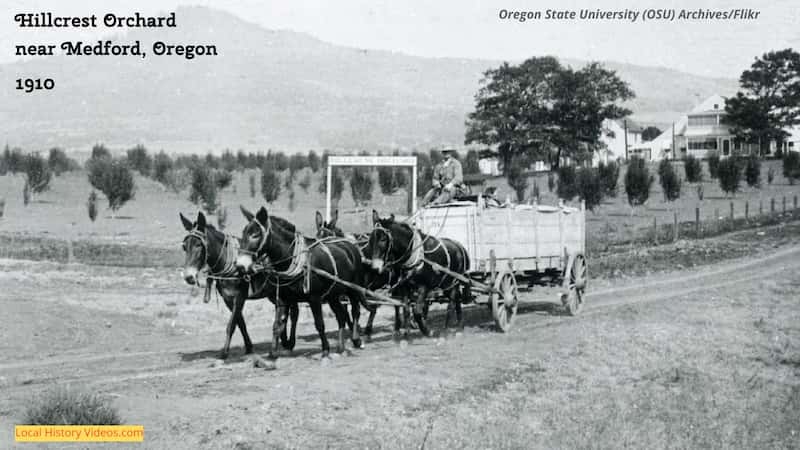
(292, 258)
(207, 247)
(397, 246)
(371, 282)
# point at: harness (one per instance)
(228, 253)
(299, 266)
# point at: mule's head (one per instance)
(380, 244)
(328, 229)
(194, 247)
(254, 238)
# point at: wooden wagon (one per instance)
(538, 244)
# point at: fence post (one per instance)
(761, 207)
(746, 210)
(731, 211)
(795, 202)
(655, 231)
(784, 204)
(697, 221)
(772, 205)
(675, 227)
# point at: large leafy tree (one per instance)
(769, 100)
(545, 110)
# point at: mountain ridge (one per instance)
(277, 89)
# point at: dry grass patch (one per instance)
(67, 406)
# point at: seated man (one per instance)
(447, 180)
(490, 197)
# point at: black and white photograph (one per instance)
(385, 224)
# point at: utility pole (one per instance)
(625, 128)
(674, 155)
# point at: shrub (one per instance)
(140, 161)
(37, 173)
(590, 187)
(551, 181)
(517, 178)
(471, 162)
(609, 178)
(62, 406)
(752, 171)
(361, 185)
(567, 182)
(162, 166)
(730, 175)
(791, 166)
(100, 151)
(670, 182)
(305, 182)
(26, 193)
(536, 193)
(713, 165)
(313, 160)
(337, 183)
(693, 169)
(770, 175)
(223, 178)
(270, 183)
(91, 206)
(59, 162)
(638, 182)
(203, 189)
(252, 181)
(386, 180)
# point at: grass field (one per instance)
(150, 222)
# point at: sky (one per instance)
(473, 29)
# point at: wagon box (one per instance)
(532, 237)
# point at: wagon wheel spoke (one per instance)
(504, 300)
(576, 285)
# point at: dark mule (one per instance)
(397, 246)
(205, 246)
(291, 257)
(371, 282)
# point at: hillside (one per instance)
(274, 89)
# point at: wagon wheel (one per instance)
(575, 283)
(504, 300)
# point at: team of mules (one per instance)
(273, 260)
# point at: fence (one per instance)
(701, 225)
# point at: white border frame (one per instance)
(372, 161)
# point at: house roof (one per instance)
(633, 127)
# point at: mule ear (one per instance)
(262, 216)
(186, 222)
(319, 220)
(391, 217)
(334, 218)
(201, 221)
(247, 214)
(375, 217)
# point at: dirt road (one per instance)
(660, 361)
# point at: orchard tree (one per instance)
(37, 173)
(545, 110)
(139, 160)
(650, 133)
(637, 182)
(766, 105)
(114, 179)
(313, 160)
(270, 183)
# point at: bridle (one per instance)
(406, 256)
(203, 239)
(265, 235)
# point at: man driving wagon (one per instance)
(448, 180)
